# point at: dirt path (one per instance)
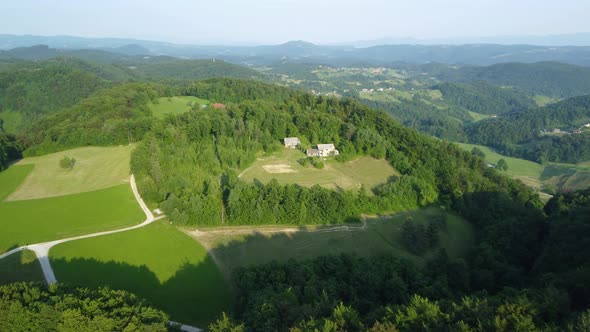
(41, 250)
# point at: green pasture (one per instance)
(556, 176)
(95, 168)
(541, 100)
(176, 105)
(11, 178)
(285, 168)
(157, 262)
(40, 220)
(247, 246)
(516, 167)
(478, 116)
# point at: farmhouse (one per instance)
(323, 150)
(291, 142)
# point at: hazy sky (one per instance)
(275, 21)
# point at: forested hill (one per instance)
(517, 127)
(37, 89)
(31, 90)
(484, 98)
(220, 142)
(543, 78)
(531, 129)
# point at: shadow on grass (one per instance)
(195, 295)
(20, 266)
(557, 170)
(381, 236)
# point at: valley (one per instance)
(291, 188)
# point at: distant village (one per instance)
(558, 131)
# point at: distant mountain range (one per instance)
(301, 51)
(573, 39)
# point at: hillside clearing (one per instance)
(157, 262)
(285, 168)
(95, 168)
(478, 116)
(40, 220)
(176, 105)
(247, 246)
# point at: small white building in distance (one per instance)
(323, 150)
(291, 142)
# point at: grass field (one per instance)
(175, 105)
(11, 178)
(284, 167)
(556, 176)
(39, 220)
(245, 246)
(516, 167)
(541, 100)
(157, 262)
(22, 266)
(478, 116)
(12, 120)
(96, 168)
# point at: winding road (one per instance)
(41, 250)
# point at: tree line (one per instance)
(528, 272)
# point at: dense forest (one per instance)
(445, 123)
(33, 307)
(484, 98)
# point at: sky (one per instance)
(277, 21)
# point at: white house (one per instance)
(291, 142)
(326, 150)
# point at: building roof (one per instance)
(326, 147)
(312, 151)
(218, 105)
(292, 140)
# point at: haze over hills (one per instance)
(474, 54)
(296, 187)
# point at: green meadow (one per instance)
(11, 178)
(284, 167)
(478, 116)
(40, 220)
(525, 170)
(245, 246)
(176, 105)
(157, 262)
(555, 176)
(95, 168)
